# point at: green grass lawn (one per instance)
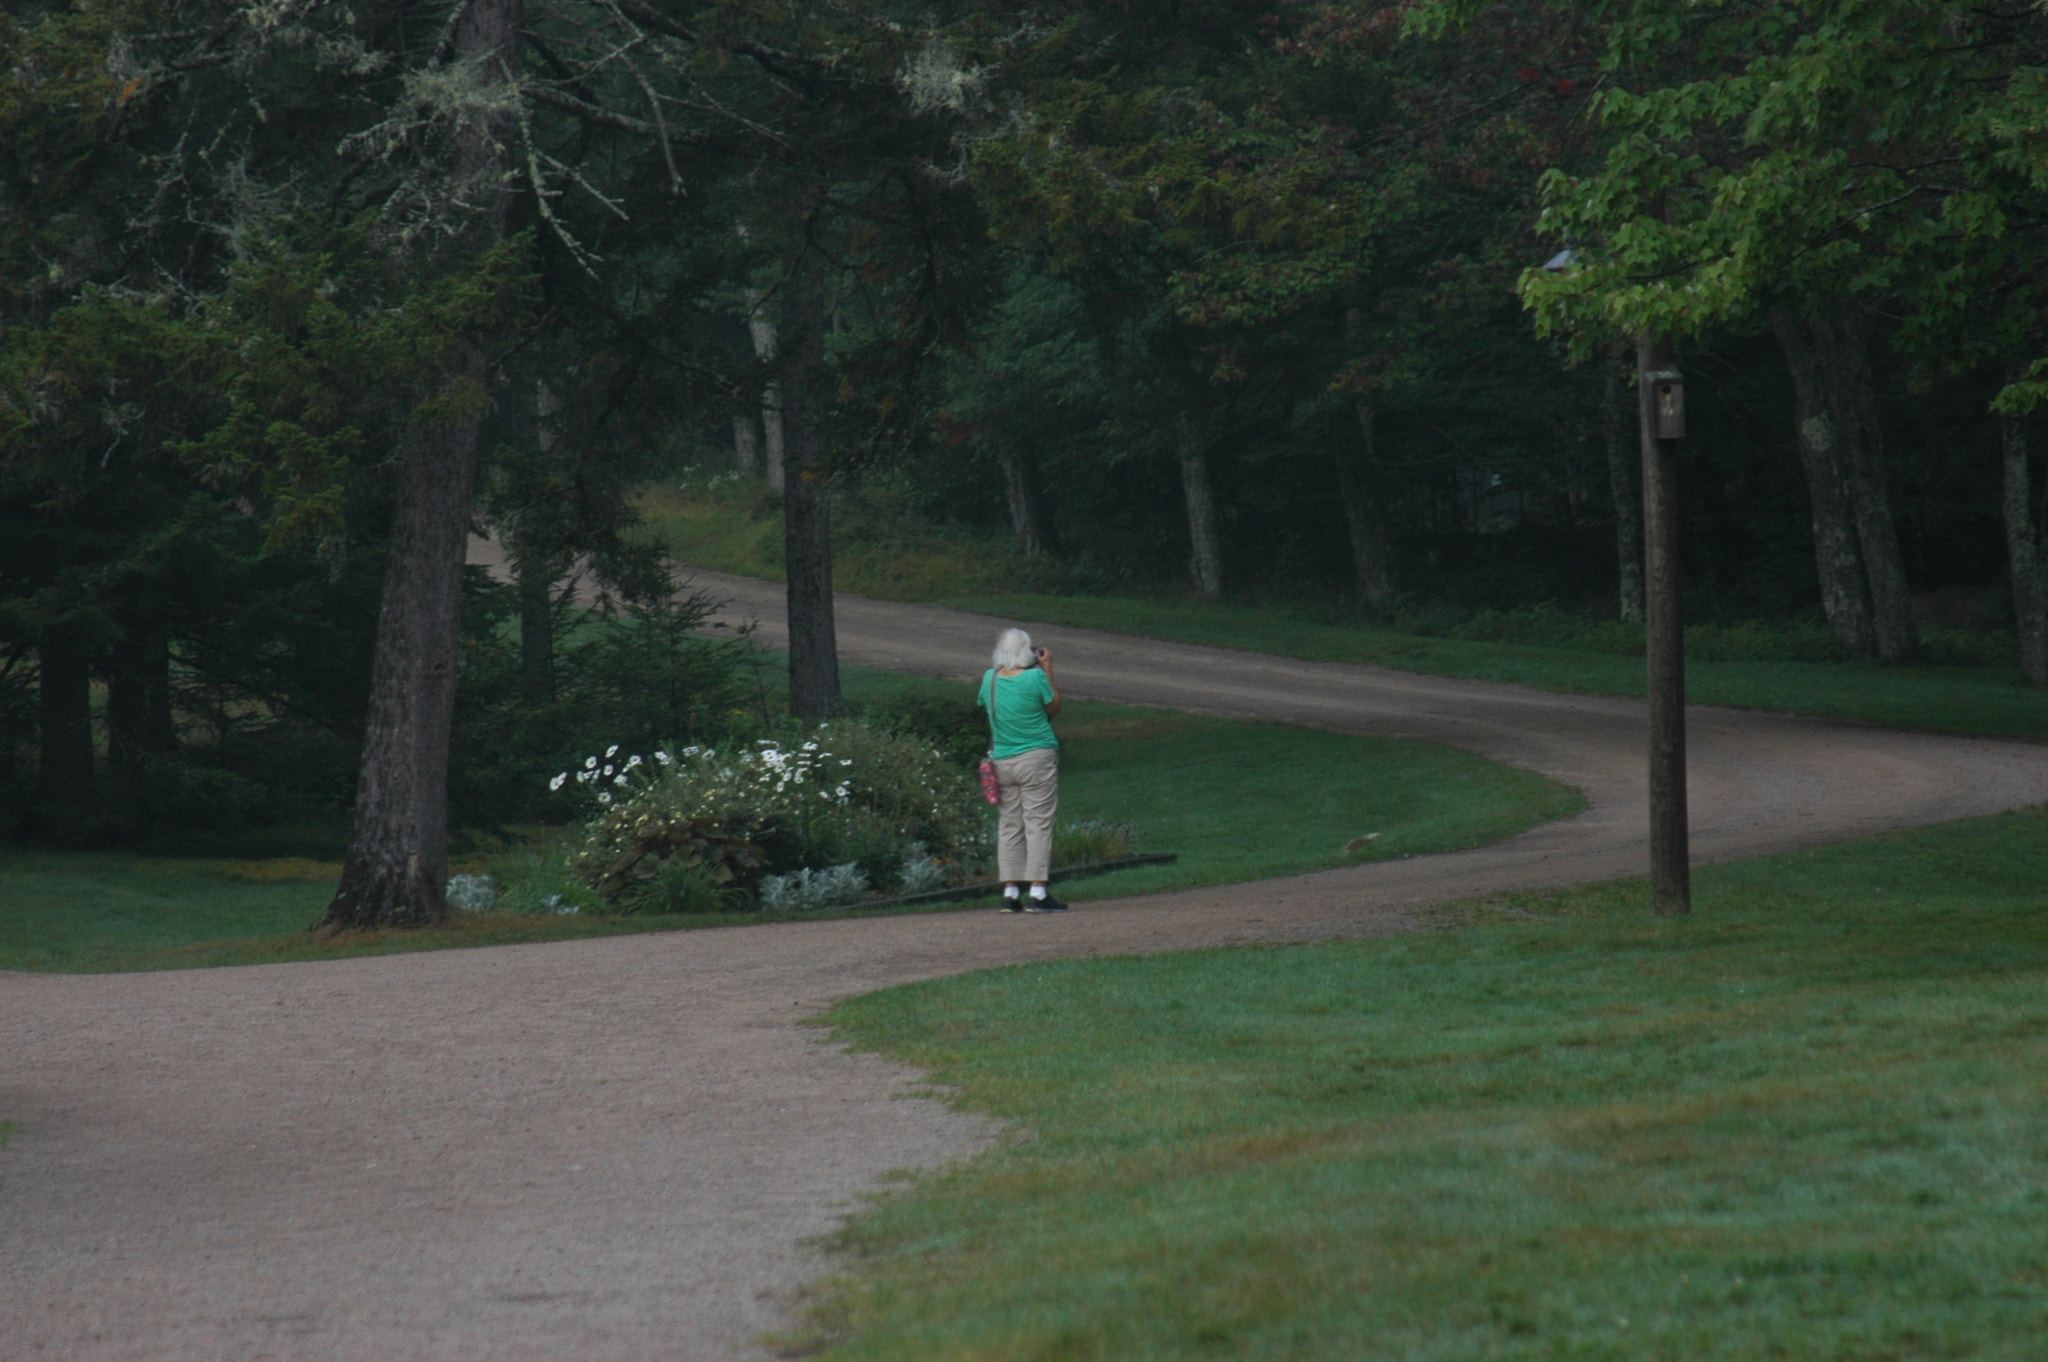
(84, 912)
(1236, 800)
(1809, 1122)
(893, 556)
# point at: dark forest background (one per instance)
(1324, 306)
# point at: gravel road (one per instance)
(613, 1149)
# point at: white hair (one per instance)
(1013, 651)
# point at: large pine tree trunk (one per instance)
(1621, 485)
(1027, 504)
(1205, 544)
(397, 866)
(1845, 361)
(806, 495)
(774, 418)
(396, 872)
(2023, 550)
(1844, 593)
(1357, 486)
(64, 785)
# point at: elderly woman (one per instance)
(1021, 697)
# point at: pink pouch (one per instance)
(991, 788)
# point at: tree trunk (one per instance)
(806, 496)
(1205, 556)
(536, 567)
(1356, 487)
(2023, 547)
(746, 443)
(1844, 593)
(1027, 504)
(774, 419)
(1846, 364)
(1621, 484)
(139, 692)
(64, 787)
(396, 872)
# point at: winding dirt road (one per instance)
(611, 1149)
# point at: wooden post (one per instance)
(1661, 413)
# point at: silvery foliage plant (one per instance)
(921, 872)
(842, 884)
(472, 893)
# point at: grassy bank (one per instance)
(879, 547)
(881, 551)
(1805, 1123)
(86, 912)
(1246, 801)
(1970, 700)
(1237, 801)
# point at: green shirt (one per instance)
(1019, 721)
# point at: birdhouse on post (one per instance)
(1667, 403)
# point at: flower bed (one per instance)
(819, 822)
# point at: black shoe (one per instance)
(1048, 904)
(1010, 904)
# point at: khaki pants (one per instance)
(1030, 784)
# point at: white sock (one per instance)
(1009, 891)
(1038, 891)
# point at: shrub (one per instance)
(955, 726)
(638, 866)
(847, 795)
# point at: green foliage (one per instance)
(696, 882)
(1788, 1126)
(638, 676)
(658, 859)
(950, 723)
(1812, 150)
(316, 367)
